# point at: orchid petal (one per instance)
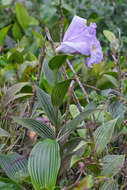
(75, 29)
(81, 39)
(74, 47)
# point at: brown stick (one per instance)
(41, 60)
(78, 81)
(50, 39)
(94, 88)
(73, 93)
(76, 183)
(117, 61)
(119, 67)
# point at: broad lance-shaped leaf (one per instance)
(59, 91)
(103, 135)
(112, 164)
(3, 33)
(39, 127)
(57, 61)
(2, 147)
(73, 124)
(45, 101)
(11, 92)
(70, 146)
(117, 109)
(49, 74)
(112, 80)
(14, 165)
(20, 95)
(23, 16)
(109, 35)
(44, 164)
(74, 109)
(3, 133)
(16, 31)
(8, 184)
(111, 185)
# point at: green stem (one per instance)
(55, 72)
(57, 123)
(57, 108)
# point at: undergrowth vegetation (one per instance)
(63, 95)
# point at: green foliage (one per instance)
(39, 127)
(3, 133)
(44, 164)
(87, 183)
(109, 186)
(45, 101)
(103, 135)
(111, 79)
(49, 73)
(7, 184)
(74, 110)
(48, 13)
(15, 166)
(3, 33)
(71, 146)
(23, 17)
(110, 36)
(12, 91)
(22, 33)
(73, 124)
(16, 57)
(57, 61)
(17, 34)
(59, 91)
(112, 164)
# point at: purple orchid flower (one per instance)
(81, 39)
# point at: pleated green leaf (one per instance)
(44, 164)
(112, 164)
(103, 135)
(111, 185)
(73, 124)
(59, 91)
(42, 129)
(57, 61)
(12, 91)
(15, 166)
(45, 101)
(3, 133)
(109, 35)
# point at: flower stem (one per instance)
(78, 81)
(57, 108)
(90, 131)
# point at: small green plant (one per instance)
(63, 105)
